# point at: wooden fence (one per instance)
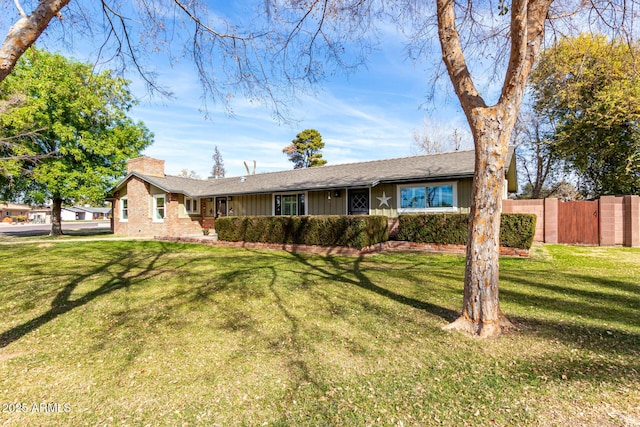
(608, 221)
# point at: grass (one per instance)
(151, 333)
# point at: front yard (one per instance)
(150, 333)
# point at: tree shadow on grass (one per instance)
(366, 283)
(573, 299)
(577, 310)
(579, 354)
(362, 281)
(581, 302)
(62, 303)
(298, 368)
(602, 339)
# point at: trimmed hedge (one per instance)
(516, 230)
(330, 230)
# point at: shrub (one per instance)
(351, 231)
(516, 230)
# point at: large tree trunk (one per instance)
(481, 314)
(25, 32)
(491, 128)
(56, 217)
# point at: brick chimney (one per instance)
(146, 166)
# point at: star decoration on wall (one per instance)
(384, 200)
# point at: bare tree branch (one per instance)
(20, 9)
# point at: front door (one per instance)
(359, 202)
(221, 206)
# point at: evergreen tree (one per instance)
(304, 151)
(218, 170)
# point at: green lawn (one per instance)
(149, 333)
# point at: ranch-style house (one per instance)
(149, 203)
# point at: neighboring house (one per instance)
(96, 213)
(40, 216)
(72, 214)
(8, 209)
(148, 202)
(84, 213)
(35, 215)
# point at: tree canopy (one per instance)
(590, 88)
(85, 135)
(304, 150)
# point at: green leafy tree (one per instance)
(304, 151)
(590, 88)
(13, 153)
(85, 134)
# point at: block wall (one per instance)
(631, 221)
(535, 207)
(611, 217)
(619, 219)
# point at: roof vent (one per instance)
(243, 178)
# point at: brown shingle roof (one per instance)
(441, 166)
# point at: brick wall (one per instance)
(146, 166)
(140, 222)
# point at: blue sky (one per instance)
(367, 115)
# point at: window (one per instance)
(428, 197)
(191, 205)
(289, 204)
(413, 197)
(159, 207)
(124, 209)
(441, 196)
